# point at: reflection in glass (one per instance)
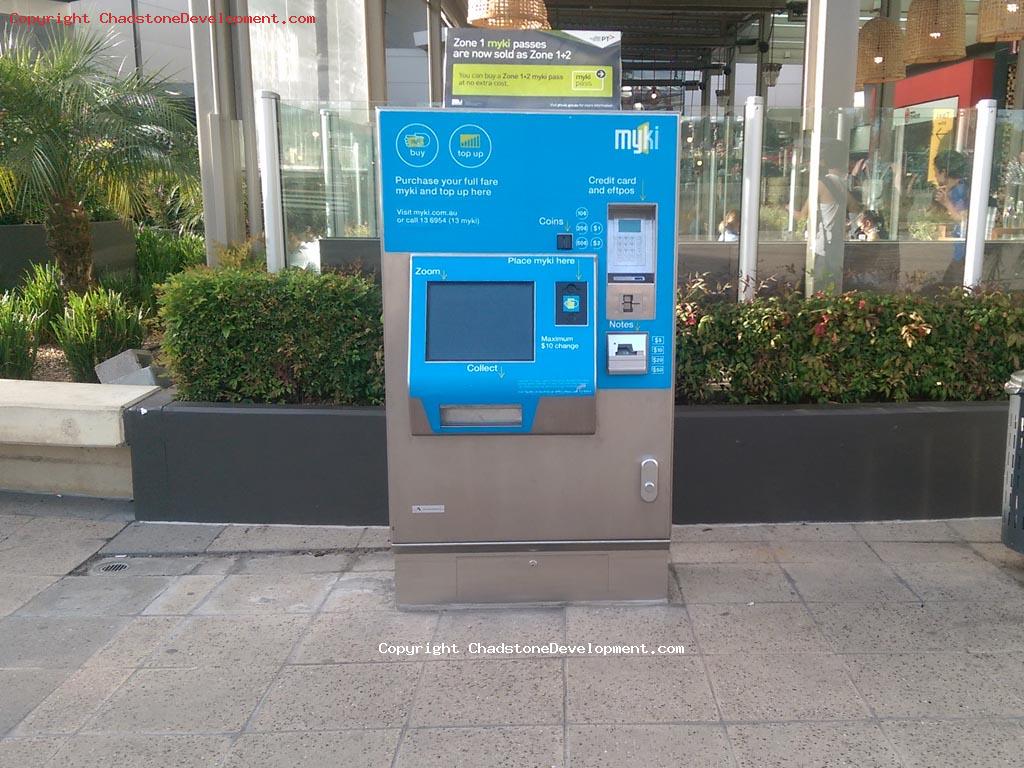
(710, 186)
(894, 185)
(327, 179)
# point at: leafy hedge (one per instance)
(295, 337)
(239, 335)
(852, 348)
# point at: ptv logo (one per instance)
(640, 140)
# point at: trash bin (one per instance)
(1013, 484)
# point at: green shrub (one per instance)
(124, 282)
(159, 255)
(18, 338)
(95, 326)
(853, 348)
(297, 337)
(249, 254)
(42, 295)
(293, 337)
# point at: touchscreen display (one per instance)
(480, 321)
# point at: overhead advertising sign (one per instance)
(532, 69)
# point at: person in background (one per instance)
(870, 226)
(952, 194)
(854, 208)
(729, 228)
(833, 201)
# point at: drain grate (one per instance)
(114, 567)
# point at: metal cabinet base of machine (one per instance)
(432, 578)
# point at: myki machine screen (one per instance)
(541, 257)
(475, 321)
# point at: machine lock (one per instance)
(649, 479)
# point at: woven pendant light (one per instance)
(1000, 21)
(935, 31)
(508, 14)
(880, 52)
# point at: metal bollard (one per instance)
(1013, 508)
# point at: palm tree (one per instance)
(74, 132)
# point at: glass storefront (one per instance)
(328, 185)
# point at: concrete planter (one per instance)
(736, 464)
(350, 252)
(287, 464)
(207, 462)
(62, 438)
(24, 244)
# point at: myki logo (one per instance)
(640, 140)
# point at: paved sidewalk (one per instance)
(246, 646)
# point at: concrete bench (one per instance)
(66, 438)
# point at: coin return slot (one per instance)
(481, 415)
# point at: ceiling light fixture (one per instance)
(1000, 22)
(936, 31)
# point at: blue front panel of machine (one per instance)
(500, 330)
(483, 183)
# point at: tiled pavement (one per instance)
(895, 644)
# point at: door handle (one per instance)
(649, 479)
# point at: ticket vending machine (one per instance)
(529, 305)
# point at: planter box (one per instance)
(24, 244)
(350, 252)
(313, 465)
(736, 464)
(205, 462)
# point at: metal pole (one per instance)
(327, 157)
(268, 105)
(730, 81)
(1018, 91)
(435, 52)
(712, 176)
(791, 220)
(897, 186)
(136, 38)
(961, 129)
(981, 178)
(729, 118)
(242, 58)
(376, 55)
(358, 175)
(760, 88)
(753, 135)
(889, 9)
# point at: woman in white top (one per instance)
(729, 229)
(833, 200)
